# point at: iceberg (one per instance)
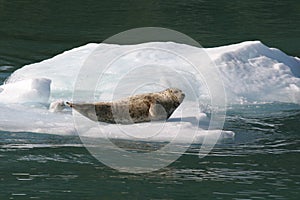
(251, 73)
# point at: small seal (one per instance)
(134, 109)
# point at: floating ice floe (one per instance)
(251, 73)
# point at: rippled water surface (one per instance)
(261, 162)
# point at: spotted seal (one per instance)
(134, 109)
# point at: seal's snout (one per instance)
(178, 93)
(181, 97)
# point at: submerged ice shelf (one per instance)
(251, 73)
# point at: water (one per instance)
(261, 162)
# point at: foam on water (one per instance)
(251, 72)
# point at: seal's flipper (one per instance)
(157, 112)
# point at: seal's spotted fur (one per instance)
(134, 109)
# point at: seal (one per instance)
(134, 109)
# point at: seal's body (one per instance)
(134, 109)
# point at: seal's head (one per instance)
(177, 93)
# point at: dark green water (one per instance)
(262, 162)
(34, 30)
